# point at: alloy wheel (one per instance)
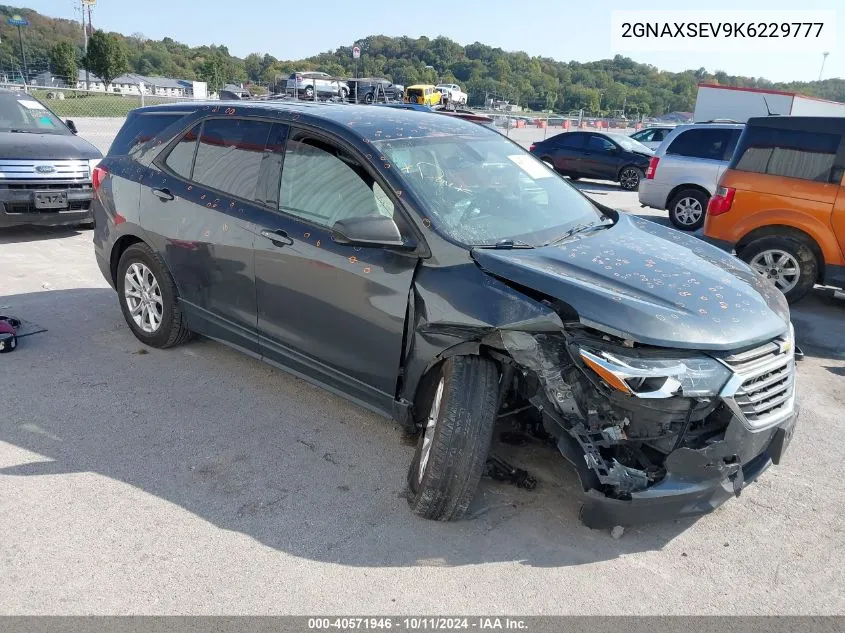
(428, 434)
(779, 266)
(688, 211)
(629, 179)
(143, 297)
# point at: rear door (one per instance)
(567, 151)
(198, 201)
(333, 312)
(698, 156)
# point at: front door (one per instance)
(334, 313)
(197, 202)
(599, 160)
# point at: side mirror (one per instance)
(71, 126)
(369, 230)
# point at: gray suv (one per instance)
(304, 84)
(685, 169)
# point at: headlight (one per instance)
(695, 376)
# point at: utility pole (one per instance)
(824, 59)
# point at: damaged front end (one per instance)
(657, 433)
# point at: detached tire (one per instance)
(145, 287)
(688, 208)
(462, 402)
(788, 262)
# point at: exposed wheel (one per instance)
(630, 177)
(369, 98)
(309, 92)
(788, 262)
(462, 402)
(687, 209)
(149, 299)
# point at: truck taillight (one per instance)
(652, 167)
(722, 201)
(98, 176)
(532, 147)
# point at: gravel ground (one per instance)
(199, 481)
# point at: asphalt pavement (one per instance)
(197, 480)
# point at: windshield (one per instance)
(481, 189)
(631, 145)
(22, 113)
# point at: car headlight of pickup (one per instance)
(644, 377)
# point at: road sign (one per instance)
(356, 52)
(17, 20)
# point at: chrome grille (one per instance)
(44, 170)
(766, 376)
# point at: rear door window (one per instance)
(230, 154)
(571, 140)
(141, 128)
(703, 143)
(181, 156)
(600, 144)
(791, 153)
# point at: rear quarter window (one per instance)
(139, 129)
(714, 144)
(791, 153)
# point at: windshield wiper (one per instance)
(21, 131)
(508, 243)
(580, 228)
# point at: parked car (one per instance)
(596, 155)
(432, 270)
(781, 202)
(422, 94)
(453, 94)
(651, 137)
(685, 169)
(369, 90)
(45, 169)
(303, 84)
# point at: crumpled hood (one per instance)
(652, 284)
(17, 145)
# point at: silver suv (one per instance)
(685, 170)
(304, 84)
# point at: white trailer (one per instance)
(740, 104)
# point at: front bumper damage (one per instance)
(641, 460)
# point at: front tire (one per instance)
(309, 92)
(149, 299)
(462, 402)
(789, 263)
(630, 177)
(687, 209)
(369, 98)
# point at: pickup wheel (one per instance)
(462, 401)
(687, 209)
(369, 98)
(789, 263)
(309, 92)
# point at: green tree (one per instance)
(212, 71)
(63, 62)
(106, 56)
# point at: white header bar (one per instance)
(723, 31)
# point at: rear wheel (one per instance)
(309, 92)
(687, 209)
(149, 299)
(344, 94)
(462, 401)
(789, 263)
(369, 98)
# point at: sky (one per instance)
(561, 29)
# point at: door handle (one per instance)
(163, 194)
(278, 237)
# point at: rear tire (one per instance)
(777, 257)
(688, 208)
(172, 328)
(309, 92)
(461, 403)
(369, 98)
